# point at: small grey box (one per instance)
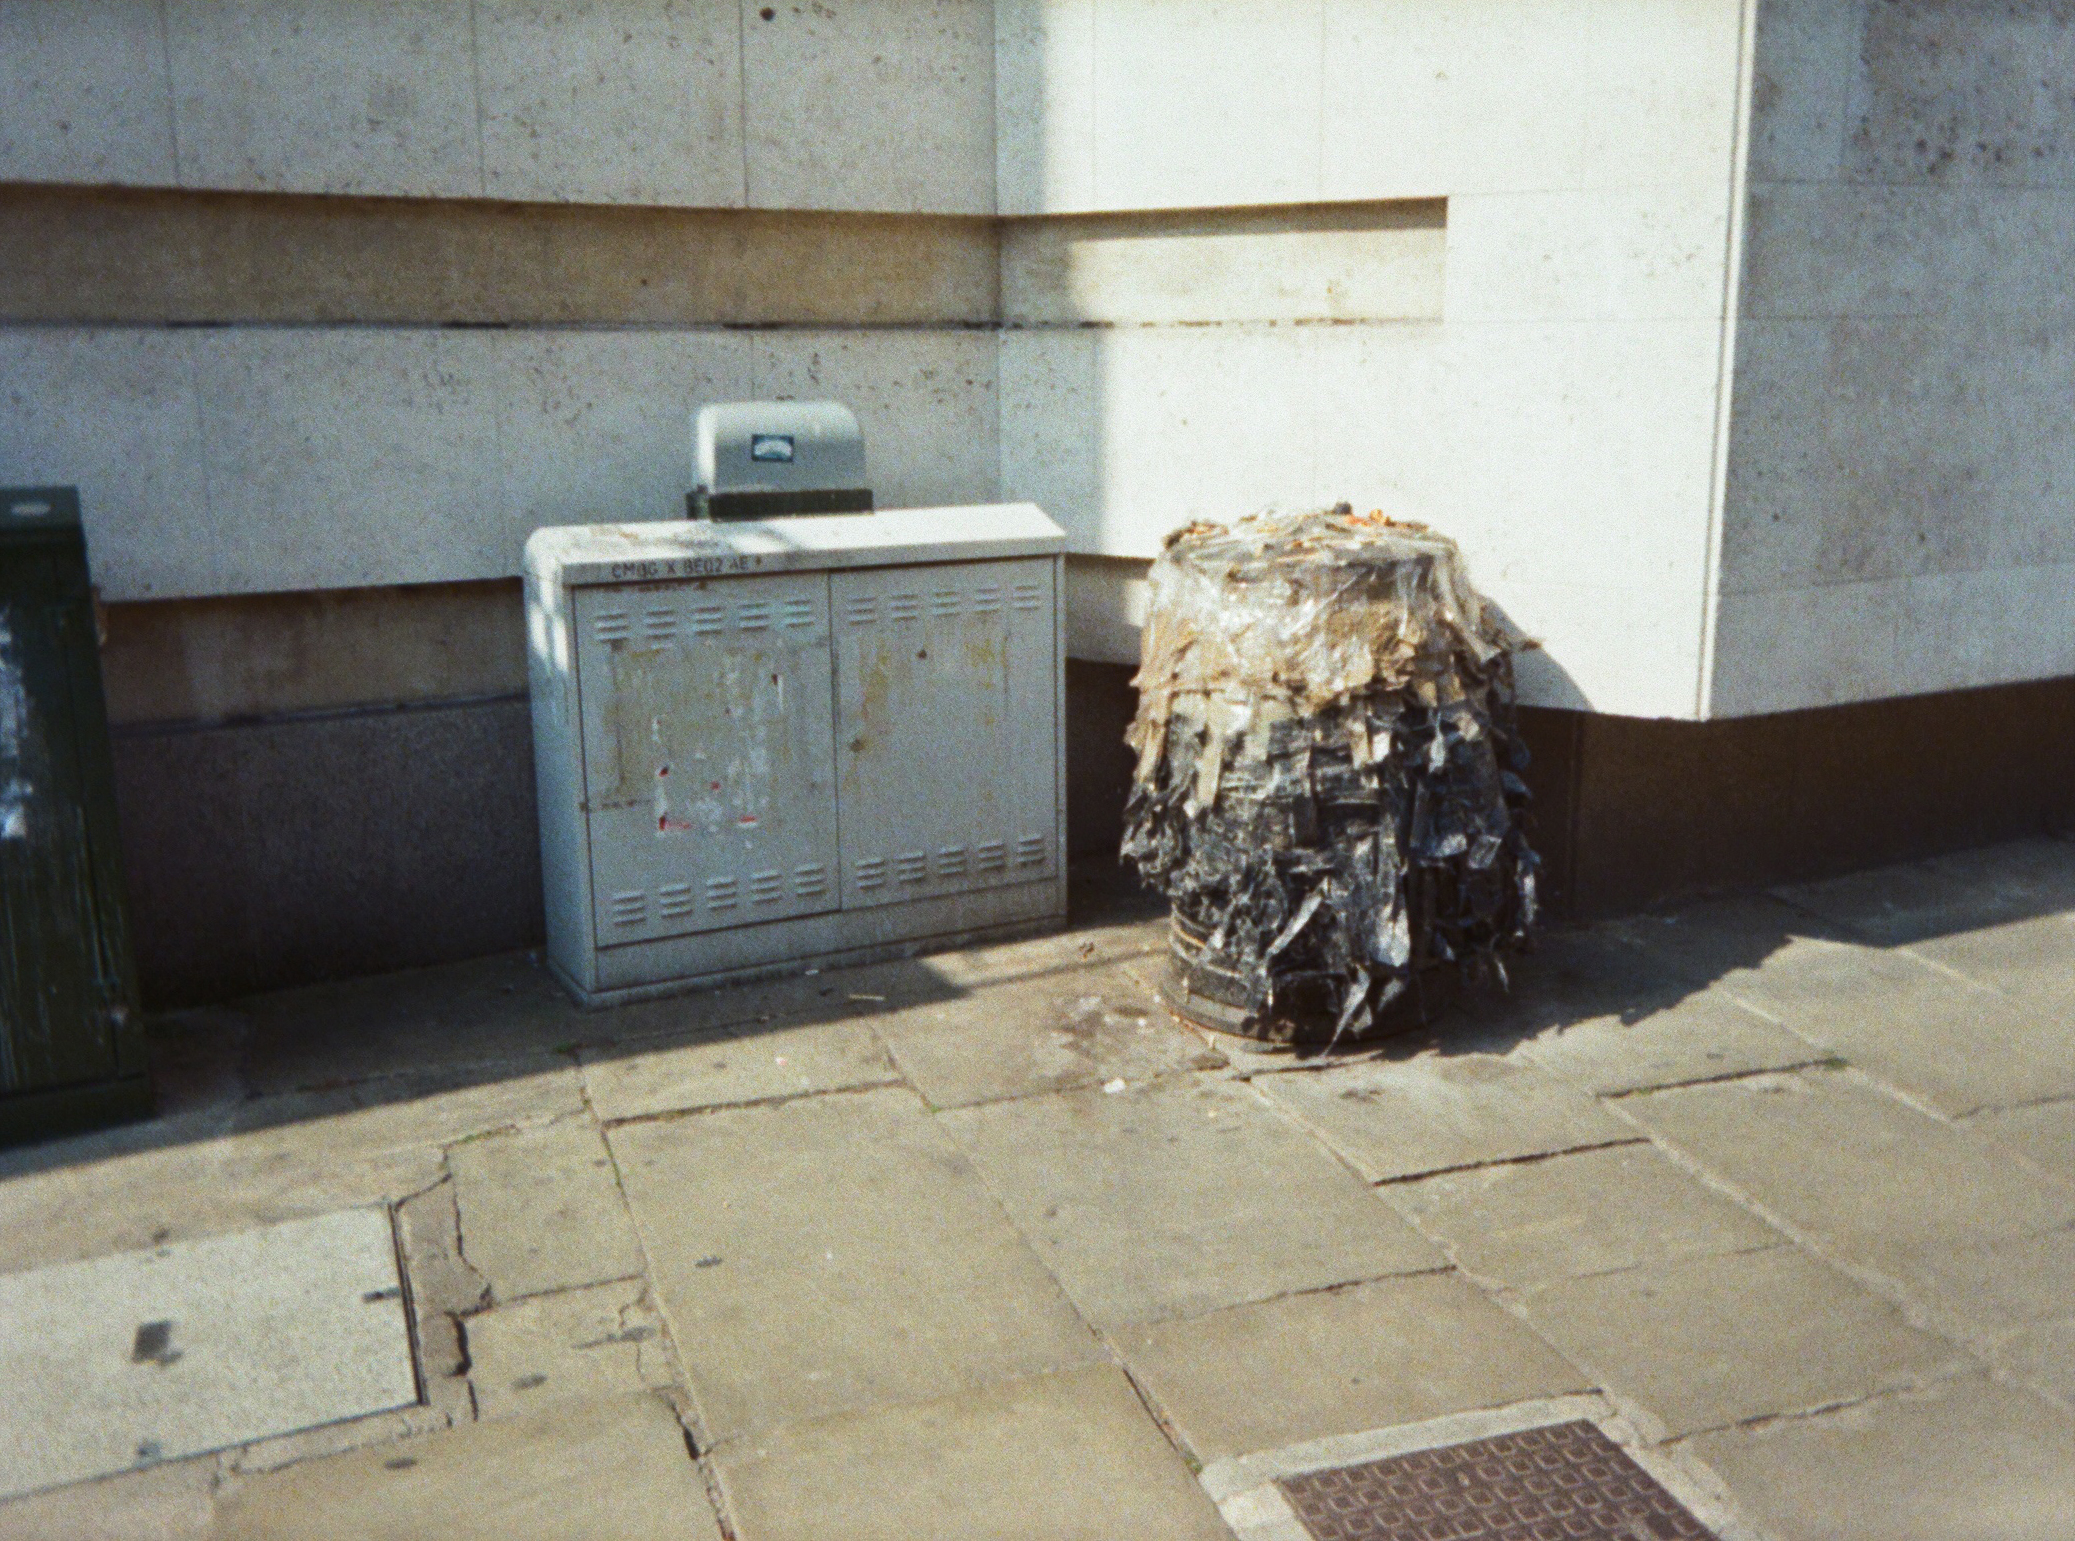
(765, 459)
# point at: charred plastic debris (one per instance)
(1328, 787)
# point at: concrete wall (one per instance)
(1901, 484)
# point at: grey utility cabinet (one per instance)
(807, 740)
(71, 1041)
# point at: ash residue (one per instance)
(1328, 784)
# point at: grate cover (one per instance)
(1565, 1482)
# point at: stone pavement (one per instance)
(986, 1245)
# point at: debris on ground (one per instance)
(1328, 786)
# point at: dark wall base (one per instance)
(322, 847)
(1100, 704)
(283, 853)
(1632, 812)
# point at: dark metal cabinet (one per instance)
(71, 1041)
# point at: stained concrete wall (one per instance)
(1901, 490)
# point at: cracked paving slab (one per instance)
(826, 1254)
(1178, 1197)
(580, 1344)
(540, 1209)
(1399, 1119)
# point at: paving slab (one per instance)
(1281, 1372)
(1430, 1114)
(581, 1344)
(1180, 1197)
(1080, 1028)
(2043, 1357)
(2030, 961)
(1943, 895)
(822, 1255)
(1060, 1456)
(129, 1360)
(2044, 1134)
(1715, 940)
(720, 1068)
(1947, 1041)
(1980, 1293)
(598, 1471)
(1592, 1212)
(541, 1210)
(1703, 1036)
(1699, 1342)
(280, 1158)
(172, 1502)
(1048, 957)
(1869, 1177)
(502, 1010)
(1966, 1460)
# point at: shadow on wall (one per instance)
(327, 845)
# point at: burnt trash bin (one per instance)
(1328, 786)
(71, 1039)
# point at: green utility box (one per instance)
(71, 1040)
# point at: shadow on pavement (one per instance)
(320, 1051)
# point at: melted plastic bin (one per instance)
(1328, 784)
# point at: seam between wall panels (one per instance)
(1725, 371)
(172, 99)
(475, 86)
(742, 94)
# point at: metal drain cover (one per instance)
(1563, 1482)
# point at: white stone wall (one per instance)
(1882, 507)
(1560, 415)
(870, 104)
(227, 460)
(1901, 482)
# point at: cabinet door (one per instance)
(946, 760)
(61, 960)
(708, 753)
